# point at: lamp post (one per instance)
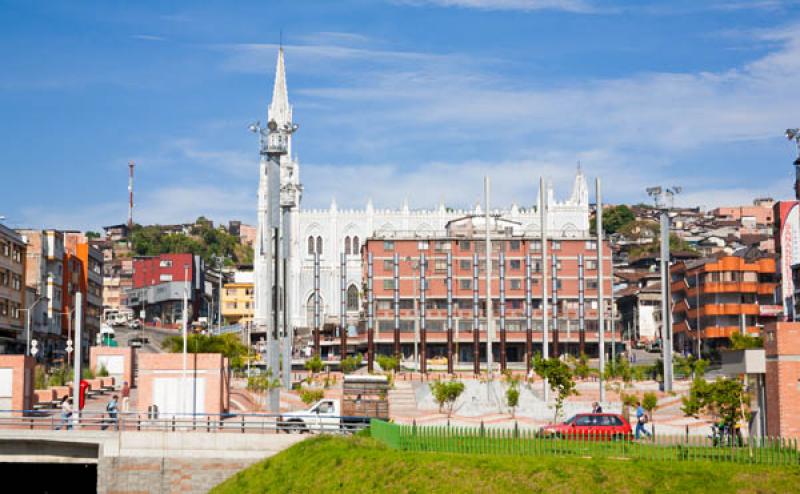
(28, 324)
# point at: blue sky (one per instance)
(396, 99)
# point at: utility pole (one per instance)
(658, 193)
(185, 334)
(489, 314)
(601, 336)
(76, 366)
(543, 224)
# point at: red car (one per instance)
(591, 426)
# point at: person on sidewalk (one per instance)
(111, 409)
(126, 394)
(66, 413)
(641, 419)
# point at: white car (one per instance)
(323, 416)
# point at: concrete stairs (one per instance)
(402, 400)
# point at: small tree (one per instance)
(691, 366)
(649, 403)
(512, 393)
(263, 384)
(388, 363)
(581, 364)
(310, 396)
(446, 393)
(314, 364)
(350, 364)
(103, 372)
(559, 377)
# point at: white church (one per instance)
(332, 232)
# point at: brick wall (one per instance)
(782, 348)
(128, 355)
(164, 475)
(22, 374)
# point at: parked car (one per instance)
(600, 426)
(323, 416)
(135, 324)
(138, 341)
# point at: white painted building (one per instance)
(334, 231)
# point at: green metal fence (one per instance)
(480, 440)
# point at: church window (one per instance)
(356, 247)
(347, 246)
(310, 246)
(319, 245)
(352, 298)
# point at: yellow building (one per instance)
(237, 299)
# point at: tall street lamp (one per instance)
(28, 324)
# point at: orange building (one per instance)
(83, 271)
(782, 348)
(722, 296)
(509, 344)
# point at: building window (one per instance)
(310, 246)
(591, 284)
(516, 284)
(356, 246)
(165, 264)
(591, 265)
(514, 245)
(556, 245)
(464, 245)
(515, 264)
(388, 265)
(165, 277)
(464, 264)
(536, 245)
(352, 298)
(347, 246)
(465, 284)
(319, 245)
(388, 284)
(388, 245)
(440, 265)
(591, 245)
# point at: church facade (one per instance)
(334, 232)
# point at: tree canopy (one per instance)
(203, 240)
(226, 344)
(614, 219)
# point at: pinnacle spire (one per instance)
(279, 109)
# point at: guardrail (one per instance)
(471, 440)
(176, 422)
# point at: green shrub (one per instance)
(39, 378)
(350, 364)
(446, 393)
(310, 396)
(103, 372)
(314, 364)
(60, 376)
(87, 373)
(388, 363)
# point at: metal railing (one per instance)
(181, 422)
(521, 442)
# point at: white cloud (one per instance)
(148, 37)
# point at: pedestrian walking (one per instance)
(641, 419)
(111, 409)
(66, 413)
(126, 394)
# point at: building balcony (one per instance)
(727, 331)
(725, 310)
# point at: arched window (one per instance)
(310, 246)
(356, 247)
(347, 246)
(352, 298)
(310, 311)
(319, 245)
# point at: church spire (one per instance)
(279, 109)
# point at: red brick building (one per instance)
(518, 250)
(782, 348)
(163, 268)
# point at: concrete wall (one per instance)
(782, 347)
(21, 369)
(128, 355)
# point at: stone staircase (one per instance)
(402, 400)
